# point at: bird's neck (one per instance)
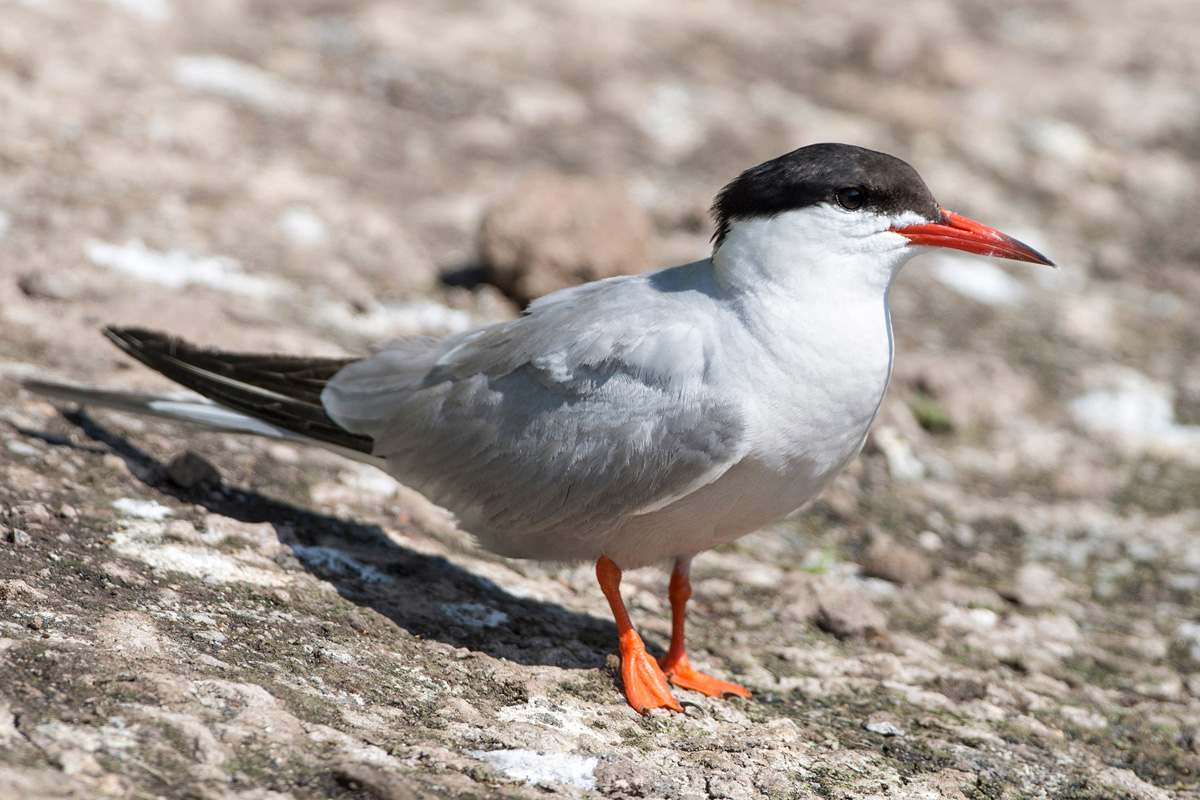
(806, 257)
(813, 301)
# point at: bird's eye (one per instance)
(851, 198)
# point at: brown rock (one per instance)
(896, 563)
(554, 231)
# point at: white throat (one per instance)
(814, 250)
(812, 285)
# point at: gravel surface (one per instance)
(997, 600)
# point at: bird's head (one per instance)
(842, 210)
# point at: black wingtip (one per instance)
(281, 390)
(116, 334)
(132, 339)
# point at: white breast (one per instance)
(809, 403)
(809, 361)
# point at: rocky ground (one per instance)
(998, 599)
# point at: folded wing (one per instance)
(589, 409)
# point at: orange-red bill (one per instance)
(960, 233)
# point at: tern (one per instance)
(631, 420)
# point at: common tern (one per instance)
(631, 420)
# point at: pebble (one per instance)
(239, 82)
(1188, 637)
(896, 563)
(969, 620)
(902, 462)
(883, 724)
(22, 448)
(555, 231)
(113, 461)
(964, 535)
(36, 512)
(1036, 586)
(189, 470)
(929, 541)
(845, 612)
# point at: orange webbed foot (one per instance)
(681, 673)
(645, 684)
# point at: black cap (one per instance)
(838, 174)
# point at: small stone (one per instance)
(882, 723)
(930, 541)
(1036, 586)
(845, 612)
(20, 538)
(189, 470)
(22, 448)
(113, 461)
(555, 231)
(612, 665)
(68, 512)
(36, 512)
(1130, 406)
(896, 563)
(902, 462)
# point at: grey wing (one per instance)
(571, 418)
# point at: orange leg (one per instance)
(645, 685)
(675, 662)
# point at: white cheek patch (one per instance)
(907, 218)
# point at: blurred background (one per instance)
(316, 176)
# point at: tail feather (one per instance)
(183, 408)
(282, 391)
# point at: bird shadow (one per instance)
(426, 595)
